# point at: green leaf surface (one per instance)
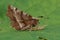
(48, 8)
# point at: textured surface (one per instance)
(47, 8)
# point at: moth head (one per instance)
(11, 8)
(10, 12)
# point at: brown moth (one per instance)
(22, 21)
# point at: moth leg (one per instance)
(37, 28)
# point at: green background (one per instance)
(47, 8)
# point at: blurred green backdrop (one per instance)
(47, 8)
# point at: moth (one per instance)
(21, 20)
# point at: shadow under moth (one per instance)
(21, 20)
